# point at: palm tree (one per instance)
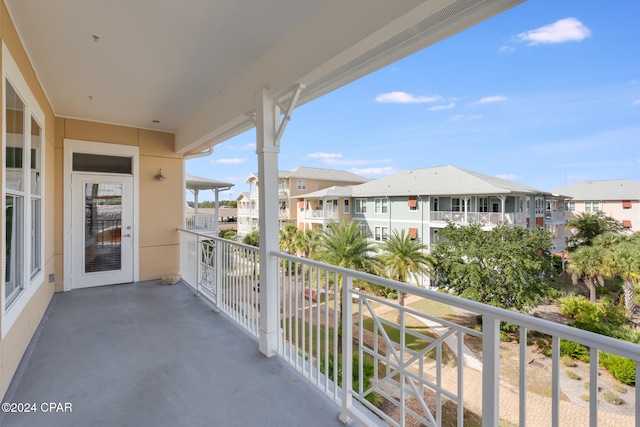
(288, 237)
(588, 225)
(307, 241)
(587, 263)
(252, 238)
(625, 260)
(347, 245)
(403, 258)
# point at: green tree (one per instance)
(252, 238)
(624, 261)
(587, 226)
(508, 267)
(403, 258)
(289, 238)
(307, 241)
(346, 244)
(588, 263)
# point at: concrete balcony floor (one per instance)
(145, 354)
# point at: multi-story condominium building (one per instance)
(423, 201)
(617, 198)
(292, 185)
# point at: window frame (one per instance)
(380, 205)
(381, 233)
(360, 206)
(301, 184)
(30, 249)
(346, 207)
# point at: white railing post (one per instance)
(347, 348)
(217, 271)
(198, 264)
(490, 371)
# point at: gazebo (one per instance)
(197, 183)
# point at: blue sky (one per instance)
(545, 94)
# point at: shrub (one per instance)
(622, 369)
(573, 375)
(574, 350)
(568, 361)
(544, 346)
(612, 398)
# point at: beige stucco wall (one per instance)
(160, 203)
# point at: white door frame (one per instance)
(76, 146)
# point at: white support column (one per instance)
(503, 207)
(532, 212)
(267, 149)
(216, 222)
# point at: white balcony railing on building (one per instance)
(555, 216)
(369, 347)
(320, 214)
(486, 218)
(283, 213)
(202, 222)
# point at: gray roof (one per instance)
(333, 191)
(304, 172)
(441, 181)
(200, 183)
(610, 189)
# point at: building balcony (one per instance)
(320, 214)
(152, 355)
(486, 218)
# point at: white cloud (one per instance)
(464, 118)
(405, 98)
(388, 170)
(563, 30)
(249, 146)
(490, 99)
(506, 49)
(636, 102)
(442, 107)
(324, 156)
(232, 161)
(507, 176)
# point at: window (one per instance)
(413, 203)
(626, 223)
(380, 206)
(591, 206)
(302, 184)
(23, 187)
(540, 204)
(380, 234)
(361, 206)
(570, 206)
(483, 204)
(332, 206)
(455, 204)
(626, 204)
(347, 209)
(282, 185)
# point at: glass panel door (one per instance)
(103, 227)
(101, 230)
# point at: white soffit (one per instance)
(196, 65)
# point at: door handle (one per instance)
(127, 235)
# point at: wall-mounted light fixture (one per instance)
(160, 176)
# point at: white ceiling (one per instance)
(196, 65)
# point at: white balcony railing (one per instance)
(201, 222)
(486, 218)
(320, 214)
(370, 347)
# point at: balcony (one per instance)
(152, 355)
(486, 218)
(320, 214)
(453, 376)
